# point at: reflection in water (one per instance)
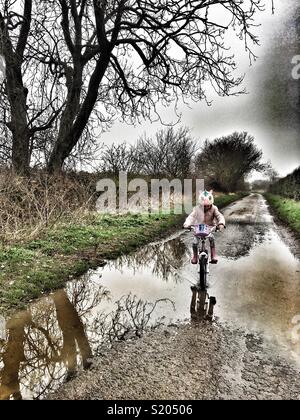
(243, 240)
(45, 345)
(13, 356)
(73, 333)
(164, 258)
(248, 224)
(129, 320)
(202, 306)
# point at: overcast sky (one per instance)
(268, 111)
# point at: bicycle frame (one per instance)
(203, 260)
(203, 251)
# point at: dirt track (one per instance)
(195, 362)
(247, 354)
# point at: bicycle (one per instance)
(202, 304)
(203, 232)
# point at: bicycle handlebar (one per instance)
(213, 229)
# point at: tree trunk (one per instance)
(73, 332)
(16, 92)
(70, 133)
(20, 153)
(18, 125)
(61, 150)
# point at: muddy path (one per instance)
(251, 350)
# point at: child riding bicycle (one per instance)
(205, 213)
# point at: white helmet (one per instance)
(206, 198)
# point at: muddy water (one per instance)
(256, 284)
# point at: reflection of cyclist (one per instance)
(205, 213)
(202, 305)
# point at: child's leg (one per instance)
(214, 258)
(195, 250)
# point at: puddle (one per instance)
(256, 284)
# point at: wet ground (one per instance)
(256, 284)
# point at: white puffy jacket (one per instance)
(212, 217)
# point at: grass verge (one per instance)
(33, 268)
(287, 211)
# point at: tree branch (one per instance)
(66, 25)
(25, 29)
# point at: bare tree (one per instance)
(97, 60)
(128, 56)
(28, 92)
(181, 149)
(119, 157)
(169, 154)
(16, 91)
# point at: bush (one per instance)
(28, 205)
(288, 187)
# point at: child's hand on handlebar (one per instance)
(221, 227)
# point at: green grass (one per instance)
(32, 268)
(287, 210)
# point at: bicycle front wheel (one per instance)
(203, 273)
